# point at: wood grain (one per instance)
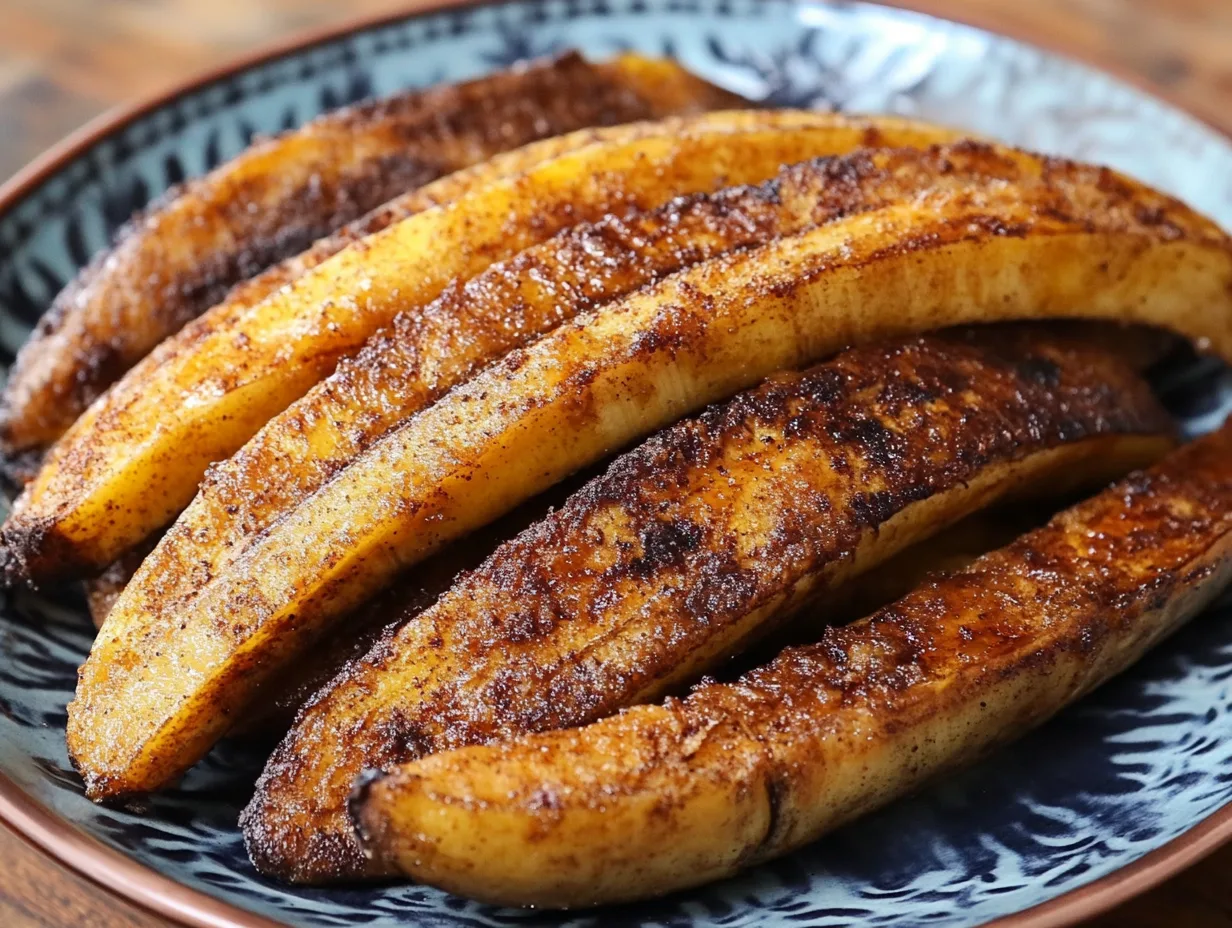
(64, 61)
(37, 893)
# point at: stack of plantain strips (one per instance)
(181, 256)
(779, 322)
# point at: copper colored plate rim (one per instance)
(159, 894)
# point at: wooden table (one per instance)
(64, 61)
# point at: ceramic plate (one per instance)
(1117, 792)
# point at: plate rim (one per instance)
(144, 887)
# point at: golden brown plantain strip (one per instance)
(410, 365)
(701, 540)
(135, 459)
(281, 697)
(666, 797)
(1044, 247)
(260, 466)
(179, 258)
(664, 89)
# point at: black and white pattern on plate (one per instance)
(1140, 762)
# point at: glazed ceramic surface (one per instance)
(1137, 764)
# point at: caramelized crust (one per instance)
(135, 459)
(180, 256)
(664, 797)
(1028, 249)
(695, 543)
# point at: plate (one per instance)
(1110, 797)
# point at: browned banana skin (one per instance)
(665, 797)
(688, 547)
(181, 255)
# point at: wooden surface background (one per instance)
(64, 61)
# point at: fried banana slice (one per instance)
(1045, 246)
(227, 511)
(282, 696)
(407, 367)
(701, 540)
(179, 258)
(135, 459)
(823, 733)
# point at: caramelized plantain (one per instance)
(701, 540)
(665, 797)
(407, 367)
(135, 459)
(179, 257)
(1037, 238)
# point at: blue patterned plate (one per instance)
(1144, 761)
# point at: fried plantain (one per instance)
(180, 256)
(420, 357)
(135, 459)
(705, 538)
(664, 797)
(1065, 241)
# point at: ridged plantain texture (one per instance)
(180, 256)
(664, 797)
(136, 458)
(1039, 238)
(701, 540)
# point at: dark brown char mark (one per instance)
(644, 576)
(183, 254)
